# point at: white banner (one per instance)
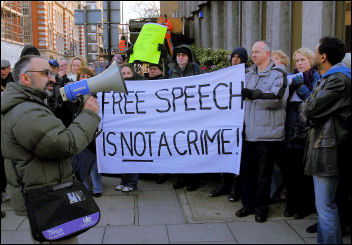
(181, 125)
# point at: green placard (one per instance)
(146, 46)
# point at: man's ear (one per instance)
(323, 58)
(25, 79)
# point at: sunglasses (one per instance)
(46, 72)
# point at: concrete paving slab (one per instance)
(11, 221)
(157, 198)
(301, 225)
(15, 237)
(182, 198)
(190, 233)
(125, 217)
(218, 209)
(160, 215)
(310, 240)
(207, 209)
(122, 202)
(156, 234)
(222, 242)
(273, 232)
(94, 235)
(116, 210)
(24, 226)
(150, 185)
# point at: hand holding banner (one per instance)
(146, 46)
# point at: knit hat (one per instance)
(5, 64)
(157, 65)
(242, 53)
(53, 63)
(184, 50)
(29, 49)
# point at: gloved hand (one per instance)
(297, 81)
(247, 93)
(257, 94)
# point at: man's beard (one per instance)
(316, 65)
(48, 92)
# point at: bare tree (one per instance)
(146, 9)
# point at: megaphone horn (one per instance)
(109, 80)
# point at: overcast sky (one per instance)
(128, 10)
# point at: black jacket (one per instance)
(7, 80)
(64, 110)
(329, 110)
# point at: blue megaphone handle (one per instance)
(76, 89)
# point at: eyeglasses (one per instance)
(46, 72)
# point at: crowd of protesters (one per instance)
(297, 151)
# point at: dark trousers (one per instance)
(256, 170)
(300, 189)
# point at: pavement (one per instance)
(158, 214)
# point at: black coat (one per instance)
(7, 80)
(329, 110)
(64, 110)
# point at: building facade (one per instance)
(287, 25)
(170, 8)
(52, 28)
(12, 40)
(94, 37)
(49, 26)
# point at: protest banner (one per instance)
(146, 46)
(181, 125)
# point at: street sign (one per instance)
(114, 15)
(94, 17)
(114, 12)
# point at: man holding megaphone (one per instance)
(37, 142)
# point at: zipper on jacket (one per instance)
(256, 84)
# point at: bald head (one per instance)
(261, 52)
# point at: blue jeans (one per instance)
(97, 186)
(129, 180)
(329, 228)
(82, 164)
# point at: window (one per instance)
(49, 12)
(27, 31)
(50, 37)
(93, 28)
(26, 7)
(174, 14)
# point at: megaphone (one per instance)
(109, 80)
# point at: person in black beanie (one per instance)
(231, 183)
(239, 55)
(156, 72)
(29, 49)
(182, 63)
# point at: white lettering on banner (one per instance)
(181, 125)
